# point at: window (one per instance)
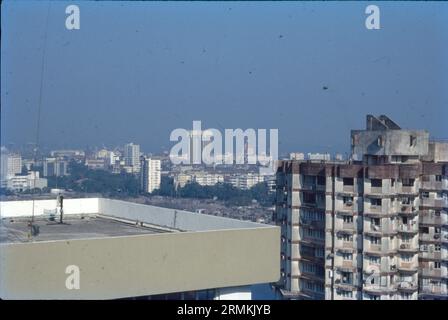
(309, 198)
(347, 256)
(437, 265)
(345, 237)
(346, 294)
(375, 202)
(375, 240)
(406, 200)
(437, 230)
(321, 180)
(376, 183)
(412, 141)
(346, 277)
(347, 219)
(424, 230)
(425, 194)
(374, 260)
(320, 252)
(408, 182)
(375, 221)
(348, 181)
(406, 257)
(348, 201)
(438, 178)
(405, 295)
(437, 247)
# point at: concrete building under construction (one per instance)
(373, 227)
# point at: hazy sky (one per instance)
(136, 71)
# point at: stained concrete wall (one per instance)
(395, 142)
(140, 265)
(213, 253)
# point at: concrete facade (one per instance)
(370, 229)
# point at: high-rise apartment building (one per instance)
(150, 174)
(11, 164)
(373, 227)
(55, 167)
(132, 156)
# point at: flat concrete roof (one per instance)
(15, 230)
(123, 249)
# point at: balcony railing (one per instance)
(434, 255)
(408, 228)
(431, 272)
(407, 190)
(432, 185)
(435, 203)
(436, 290)
(408, 247)
(408, 266)
(433, 219)
(407, 209)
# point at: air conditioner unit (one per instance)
(349, 203)
(437, 236)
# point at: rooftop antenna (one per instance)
(36, 147)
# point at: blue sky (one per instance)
(136, 71)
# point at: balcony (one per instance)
(378, 249)
(434, 203)
(378, 230)
(434, 255)
(408, 228)
(432, 185)
(434, 237)
(376, 190)
(437, 290)
(408, 266)
(347, 226)
(407, 209)
(407, 190)
(348, 189)
(376, 288)
(433, 219)
(407, 286)
(408, 247)
(432, 272)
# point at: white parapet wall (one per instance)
(210, 252)
(14, 209)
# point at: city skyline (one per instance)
(247, 75)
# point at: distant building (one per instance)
(150, 176)
(68, 154)
(55, 167)
(244, 181)
(97, 164)
(208, 178)
(296, 156)
(319, 156)
(132, 157)
(25, 182)
(11, 164)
